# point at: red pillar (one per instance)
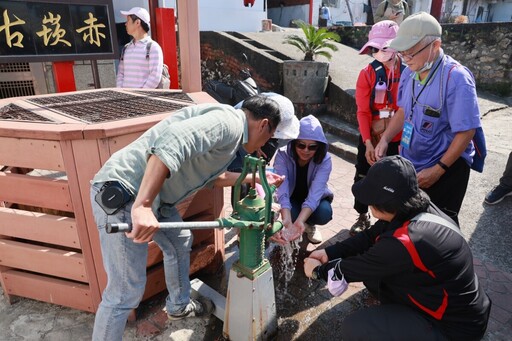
(435, 9)
(166, 38)
(311, 12)
(153, 5)
(64, 76)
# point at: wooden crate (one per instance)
(49, 244)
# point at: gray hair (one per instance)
(429, 40)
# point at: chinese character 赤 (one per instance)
(92, 32)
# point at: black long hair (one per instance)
(406, 209)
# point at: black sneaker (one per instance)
(361, 224)
(202, 307)
(497, 194)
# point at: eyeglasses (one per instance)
(373, 50)
(312, 147)
(410, 56)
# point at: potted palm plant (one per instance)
(305, 81)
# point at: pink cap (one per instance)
(381, 35)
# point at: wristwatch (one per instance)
(315, 274)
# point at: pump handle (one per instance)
(191, 225)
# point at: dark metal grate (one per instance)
(16, 113)
(52, 101)
(15, 67)
(168, 95)
(102, 106)
(16, 88)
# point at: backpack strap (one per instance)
(380, 75)
(124, 49)
(425, 216)
(404, 3)
(406, 7)
(148, 49)
(478, 139)
(402, 235)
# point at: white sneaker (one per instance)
(314, 235)
(202, 307)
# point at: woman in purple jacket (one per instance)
(304, 196)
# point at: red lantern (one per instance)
(248, 2)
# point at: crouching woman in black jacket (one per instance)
(413, 259)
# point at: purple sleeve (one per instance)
(281, 167)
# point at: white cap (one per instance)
(139, 12)
(414, 28)
(289, 126)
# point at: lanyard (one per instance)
(414, 99)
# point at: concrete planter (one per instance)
(305, 81)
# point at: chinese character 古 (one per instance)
(9, 37)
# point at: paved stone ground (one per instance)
(305, 310)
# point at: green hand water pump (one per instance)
(250, 311)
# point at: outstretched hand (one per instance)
(274, 179)
(289, 232)
(319, 255)
(309, 265)
(278, 238)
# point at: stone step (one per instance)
(342, 137)
(339, 127)
(342, 148)
(259, 45)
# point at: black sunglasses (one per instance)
(373, 50)
(311, 147)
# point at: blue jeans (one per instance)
(125, 264)
(321, 216)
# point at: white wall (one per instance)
(226, 15)
(283, 16)
(422, 6)
(501, 11)
(341, 13)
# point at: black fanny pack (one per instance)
(113, 196)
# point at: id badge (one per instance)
(384, 113)
(406, 135)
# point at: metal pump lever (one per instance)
(200, 225)
(191, 225)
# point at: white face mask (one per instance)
(384, 56)
(428, 65)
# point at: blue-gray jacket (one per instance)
(318, 174)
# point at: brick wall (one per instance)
(222, 60)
